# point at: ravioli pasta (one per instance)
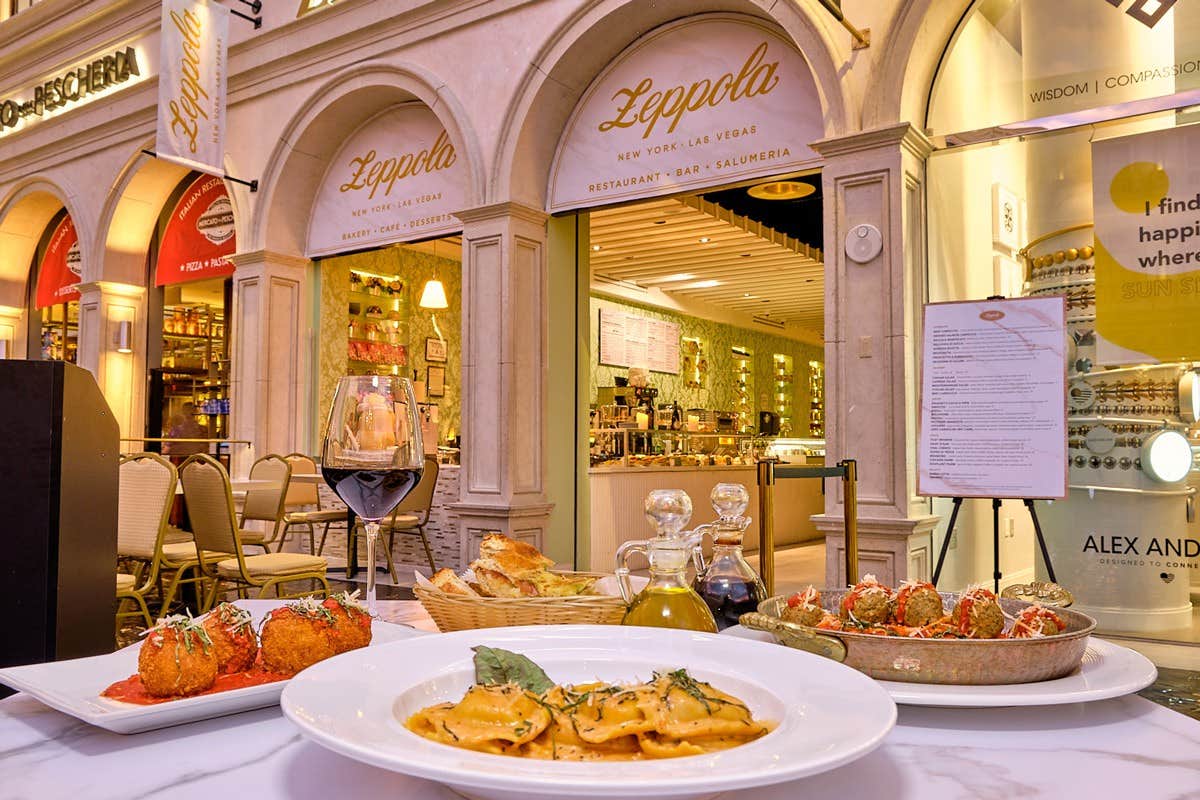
(672, 715)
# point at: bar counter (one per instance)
(1127, 747)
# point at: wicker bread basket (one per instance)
(454, 612)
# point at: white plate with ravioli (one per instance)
(821, 714)
(74, 686)
(1107, 670)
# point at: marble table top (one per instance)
(1128, 747)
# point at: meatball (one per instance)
(1036, 621)
(977, 615)
(232, 633)
(351, 622)
(804, 608)
(918, 604)
(177, 658)
(296, 636)
(868, 602)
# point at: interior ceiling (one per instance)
(744, 265)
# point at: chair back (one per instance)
(209, 504)
(420, 499)
(302, 494)
(267, 503)
(144, 500)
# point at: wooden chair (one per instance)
(145, 496)
(411, 516)
(265, 504)
(302, 505)
(214, 524)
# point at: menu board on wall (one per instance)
(628, 340)
(1146, 194)
(993, 400)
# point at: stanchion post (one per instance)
(766, 524)
(850, 511)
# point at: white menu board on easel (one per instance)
(629, 340)
(993, 400)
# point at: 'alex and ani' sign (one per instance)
(73, 86)
(397, 178)
(697, 103)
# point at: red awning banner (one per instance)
(199, 235)
(61, 267)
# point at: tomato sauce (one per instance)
(131, 689)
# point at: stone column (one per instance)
(269, 354)
(872, 318)
(505, 379)
(103, 306)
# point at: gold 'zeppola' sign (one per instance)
(397, 178)
(191, 84)
(75, 85)
(697, 103)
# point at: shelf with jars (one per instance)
(743, 382)
(193, 337)
(377, 332)
(60, 332)
(816, 402)
(783, 372)
(693, 364)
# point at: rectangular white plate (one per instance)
(73, 687)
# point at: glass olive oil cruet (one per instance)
(728, 585)
(667, 601)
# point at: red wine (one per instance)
(371, 493)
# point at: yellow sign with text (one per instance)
(1146, 196)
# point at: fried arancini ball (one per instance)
(804, 608)
(868, 601)
(232, 633)
(351, 622)
(296, 636)
(918, 604)
(977, 614)
(1035, 622)
(177, 658)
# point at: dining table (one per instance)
(1127, 747)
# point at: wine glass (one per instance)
(373, 455)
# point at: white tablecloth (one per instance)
(1124, 748)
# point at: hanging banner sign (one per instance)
(61, 268)
(993, 419)
(397, 178)
(199, 236)
(697, 103)
(191, 84)
(1146, 200)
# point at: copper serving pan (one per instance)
(972, 662)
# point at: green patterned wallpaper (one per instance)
(414, 268)
(718, 340)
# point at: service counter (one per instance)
(618, 495)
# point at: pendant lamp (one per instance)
(433, 296)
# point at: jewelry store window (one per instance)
(1067, 163)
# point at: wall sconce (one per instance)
(125, 337)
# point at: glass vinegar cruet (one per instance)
(728, 584)
(667, 601)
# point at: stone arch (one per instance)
(129, 216)
(312, 137)
(580, 49)
(902, 77)
(24, 215)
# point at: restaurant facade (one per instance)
(490, 147)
